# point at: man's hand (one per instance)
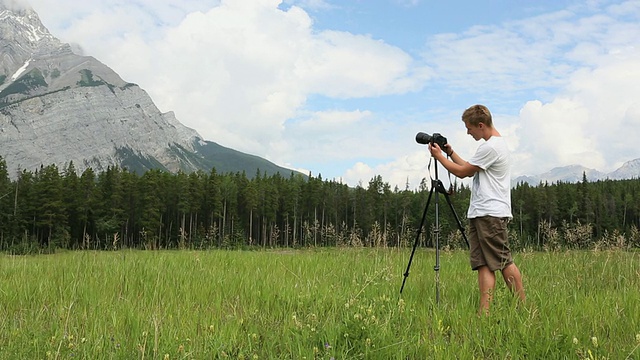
(436, 151)
(448, 149)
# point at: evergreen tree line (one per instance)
(50, 209)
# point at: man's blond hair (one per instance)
(477, 114)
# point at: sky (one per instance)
(340, 88)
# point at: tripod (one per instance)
(438, 188)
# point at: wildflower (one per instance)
(638, 338)
(401, 304)
(594, 340)
(575, 341)
(328, 346)
(211, 328)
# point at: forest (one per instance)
(53, 209)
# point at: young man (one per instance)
(490, 207)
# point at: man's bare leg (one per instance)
(486, 283)
(513, 279)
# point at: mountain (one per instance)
(58, 107)
(574, 173)
(628, 170)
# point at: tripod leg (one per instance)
(453, 211)
(415, 243)
(436, 232)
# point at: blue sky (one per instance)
(340, 88)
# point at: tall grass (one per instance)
(313, 304)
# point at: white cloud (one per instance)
(311, 4)
(578, 68)
(238, 71)
(243, 73)
(405, 172)
(595, 122)
(342, 65)
(15, 4)
(330, 137)
(556, 131)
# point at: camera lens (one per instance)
(423, 138)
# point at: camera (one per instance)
(424, 138)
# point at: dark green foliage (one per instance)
(86, 79)
(136, 163)
(156, 209)
(6, 201)
(226, 160)
(24, 85)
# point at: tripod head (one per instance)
(439, 186)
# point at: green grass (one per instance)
(313, 304)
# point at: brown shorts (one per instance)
(488, 243)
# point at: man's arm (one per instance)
(457, 166)
(454, 156)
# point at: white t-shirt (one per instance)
(491, 188)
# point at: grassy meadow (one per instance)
(340, 303)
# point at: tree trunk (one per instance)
(224, 219)
(250, 226)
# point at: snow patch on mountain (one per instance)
(20, 71)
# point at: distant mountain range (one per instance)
(57, 107)
(574, 173)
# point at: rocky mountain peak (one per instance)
(26, 22)
(628, 170)
(57, 108)
(23, 37)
